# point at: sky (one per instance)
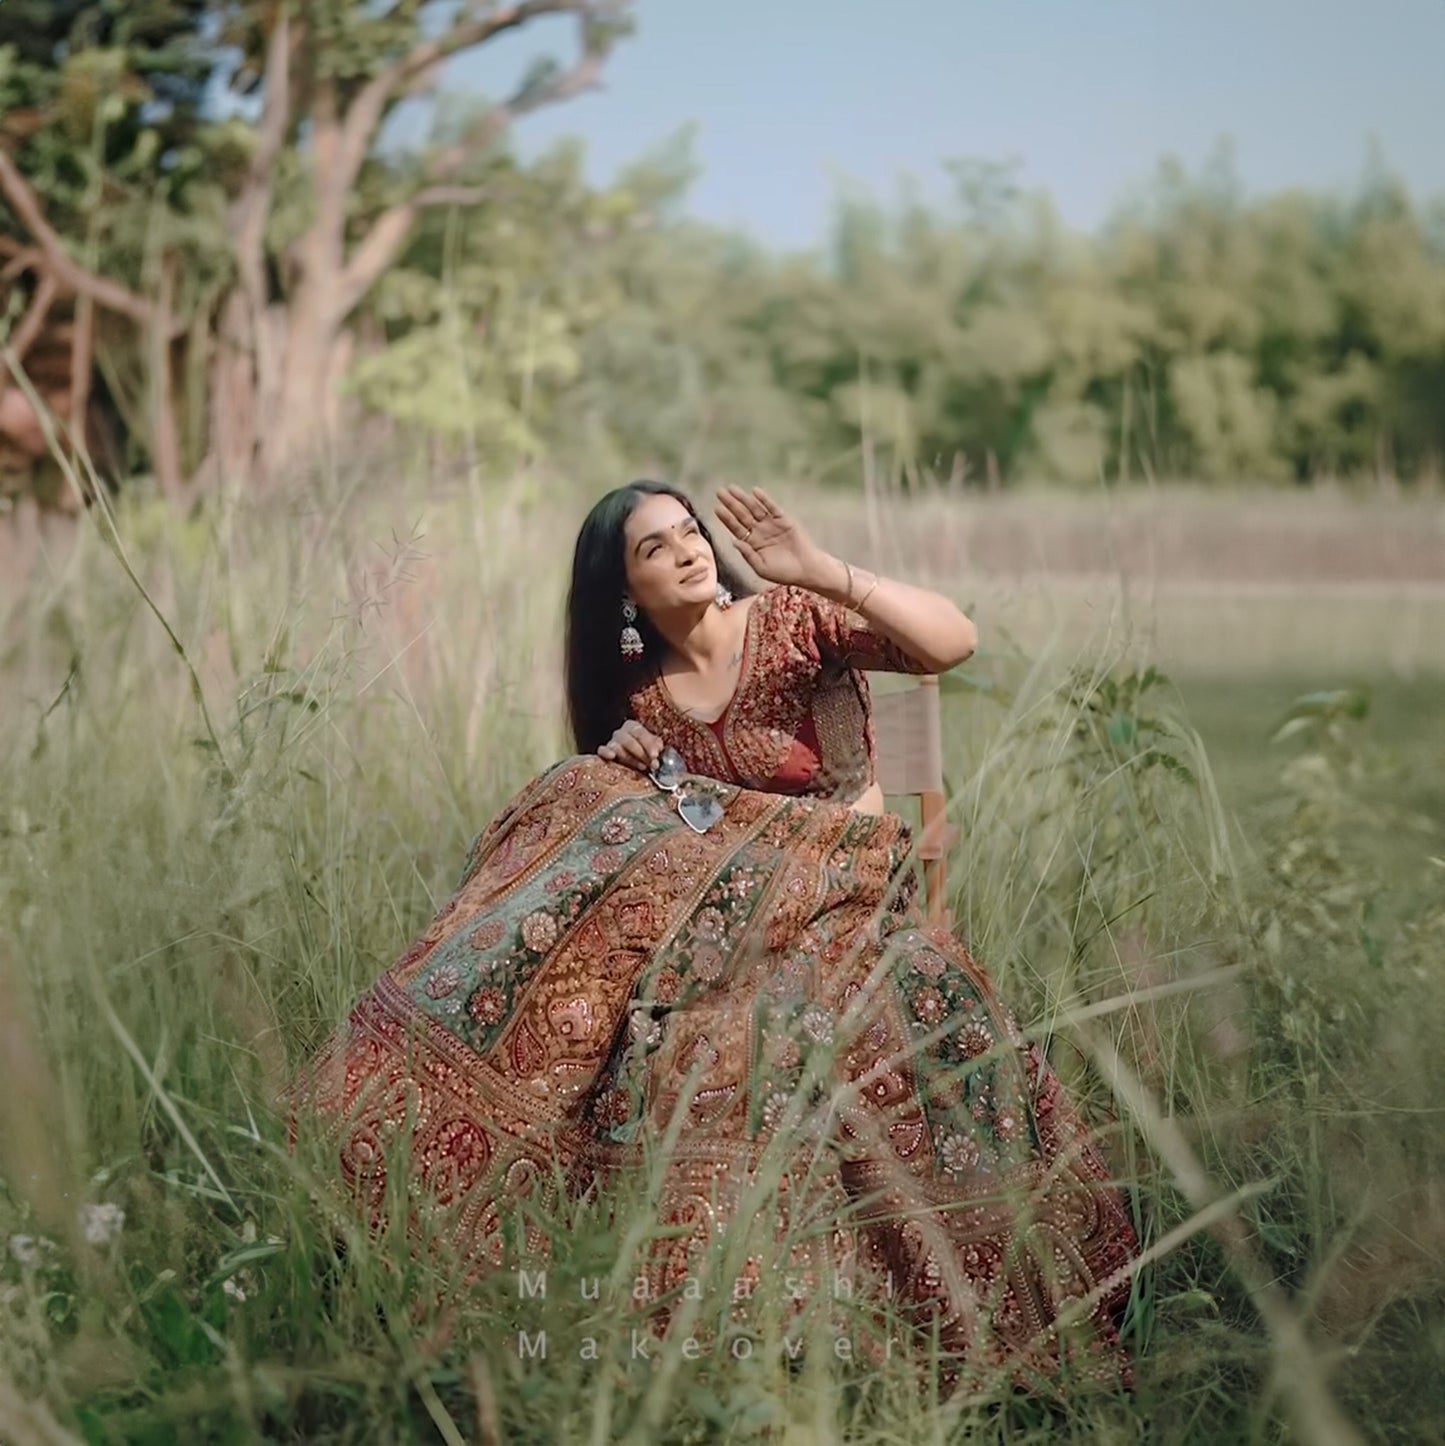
(794, 100)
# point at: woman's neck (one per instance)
(702, 641)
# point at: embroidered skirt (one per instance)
(608, 991)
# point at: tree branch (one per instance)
(366, 113)
(23, 337)
(22, 259)
(276, 107)
(380, 247)
(57, 261)
(451, 196)
(383, 242)
(252, 207)
(253, 204)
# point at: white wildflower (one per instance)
(230, 1288)
(26, 1250)
(102, 1223)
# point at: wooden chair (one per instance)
(909, 730)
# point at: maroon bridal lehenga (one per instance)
(609, 991)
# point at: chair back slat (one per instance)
(910, 739)
(909, 731)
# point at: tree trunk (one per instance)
(165, 433)
(295, 427)
(233, 395)
(274, 379)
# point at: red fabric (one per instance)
(800, 765)
(800, 721)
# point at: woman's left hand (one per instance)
(773, 544)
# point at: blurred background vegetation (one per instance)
(213, 264)
(336, 407)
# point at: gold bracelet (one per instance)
(866, 595)
(848, 592)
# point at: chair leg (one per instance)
(935, 888)
(934, 817)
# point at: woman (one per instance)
(707, 962)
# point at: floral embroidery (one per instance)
(974, 1039)
(928, 963)
(929, 1005)
(561, 881)
(636, 919)
(444, 979)
(1007, 1125)
(488, 1005)
(616, 831)
(788, 981)
(817, 1024)
(773, 1108)
(707, 963)
(709, 924)
(572, 1018)
(959, 1154)
(488, 933)
(699, 1051)
(782, 1051)
(539, 931)
(643, 1029)
(614, 1108)
(419, 950)
(606, 861)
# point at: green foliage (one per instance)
(1198, 334)
(1195, 336)
(134, 76)
(175, 938)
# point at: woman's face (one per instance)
(669, 563)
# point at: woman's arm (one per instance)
(923, 623)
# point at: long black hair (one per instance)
(598, 678)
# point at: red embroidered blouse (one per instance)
(800, 720)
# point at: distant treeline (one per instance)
(1198, 335)
(222, 264)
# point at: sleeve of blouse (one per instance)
(838, 634)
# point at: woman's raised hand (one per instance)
(773, 544)
(634, 746)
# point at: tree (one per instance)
(311, 217)
(94, 99)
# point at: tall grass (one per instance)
(186, 911)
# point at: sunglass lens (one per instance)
(699, 811)
(670, 769)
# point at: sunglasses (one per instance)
(697, 809)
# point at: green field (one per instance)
(207, 849)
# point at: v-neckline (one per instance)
(747, 653)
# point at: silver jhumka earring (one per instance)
(724, 597)
(631, 638)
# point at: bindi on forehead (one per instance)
(658, 533)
